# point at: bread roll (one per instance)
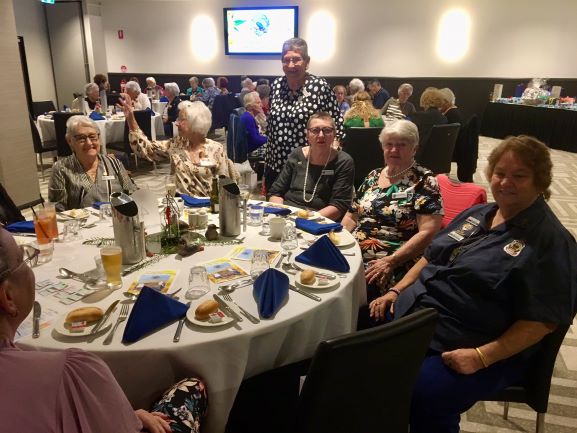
(84, 314)
(308, 277)
(303, 213)
(204, 310)
(335, 238)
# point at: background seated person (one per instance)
(397, 211)
(210, 92)
(194, 158)
(139, 100)
(502, 276)
(101, 80)
(170, 114)
(378, 93)
(153, 90)
(222, 85)
(355, 86)
(92, 99)
(431, 101)
(341, 93)
(401, 107)
(74, 391)
(317, 176)
(253, 106)
(194, 90)
(448, 108)
(86, 176)
(362, 113)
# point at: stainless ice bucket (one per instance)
(128, 230)
(229, 213)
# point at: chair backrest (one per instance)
(9, 213)
(60, 119)
(365, 148)
(236, 142)
(362, 382)
(41, 107)
(144, 120)
(466, 149)
(222, 107)
(112, 98)
(36, 140)
(437, 153)
(458, 197)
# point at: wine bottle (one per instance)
(214, 200)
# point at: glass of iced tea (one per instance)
(45, 223)
(112, 263)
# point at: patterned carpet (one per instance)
(487, 416)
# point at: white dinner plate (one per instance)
(316, 285)
(190, 316)
(60, 326)
(76, 214)
(347, 240)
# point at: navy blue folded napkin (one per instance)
(282, 211)
(163, 99)
(152, 113)
(152, 310)
(324, 254)
(95, 115)
(195, 202)
(270, 292)
(21, 227)
(96, 205)
(317, 228)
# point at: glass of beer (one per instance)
(112, 263)
(45, 223)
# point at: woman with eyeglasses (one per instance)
(396, 213)
(86, 176)
(317, 176)
(72, 390)
(294, 98)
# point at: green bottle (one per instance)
(214, 201)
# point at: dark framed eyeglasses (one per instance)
(325, 131)
(84, 138)
(30, 255)
(294, 60)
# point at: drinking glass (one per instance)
(197, 283)
(244, 191)
(46, 250)
(170, 183)
(45, 223)
(255, 214)
(289, 240)
(259, 263)
(105, 213)
(70, 232)
(112, 262)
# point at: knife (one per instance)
(107, 313)
(36, 319)
(307, 294)
(245, 313)
(228, 310)
(176, 338)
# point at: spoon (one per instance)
(130, 296)
(229, 288)
(67, 273)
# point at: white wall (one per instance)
(31, 24)
(508, 38)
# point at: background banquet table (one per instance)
(221, 356)
(111, 130)
(158, 106)
(556, 127)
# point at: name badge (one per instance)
(398, 195)
(109, 177)
(206, 163)
(456, 235)
(327, 173)
(474, 221)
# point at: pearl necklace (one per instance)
(399, 173)
(318, 180)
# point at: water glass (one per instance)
(105, 212)
(46, 250)
(255, 214)
(70, 232)
(197, 283)
(259, 263)
(289, 239)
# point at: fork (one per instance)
(245, 313)
(121, 318)
(321, 274)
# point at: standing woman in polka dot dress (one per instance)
(294, 98)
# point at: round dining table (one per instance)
(222, 356)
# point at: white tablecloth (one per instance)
(223, 356)
(111, 130)
(158, 106)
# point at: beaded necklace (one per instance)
(399, 173)
(318, 180)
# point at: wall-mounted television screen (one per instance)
(259, 30)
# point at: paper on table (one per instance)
(244, 253)
(46, 319)
(157, 280)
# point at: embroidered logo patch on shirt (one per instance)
(514, 248)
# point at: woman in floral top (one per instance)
(194, 158)
(397, 212)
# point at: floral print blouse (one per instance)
(387, 217)
(191, 178)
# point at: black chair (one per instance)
(39, 146)
(9, 212)
(124, 145)
(365, 148)
(534, 389)
(437, 153)
(236, 142)
(60, 119)
(362, 382)
(222, 107)
(41, 107)
(466, 150)
(144, 120)
(112, 98)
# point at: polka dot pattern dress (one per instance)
(289, 113)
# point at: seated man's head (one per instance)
(374, 87)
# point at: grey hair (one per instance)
(184, 104)
(133, 85)
(74, 122)
(151, 79)
(172, 88)
(208, 81)
(195, 79)
(198, 116)
(263, 90)
(405, 86)
(89, 87)
(448, 95)
(250, 99)
(404, 129)
(296, 44)
(356, 86)
(246, 82)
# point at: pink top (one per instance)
(71, 391)
(458, 196)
